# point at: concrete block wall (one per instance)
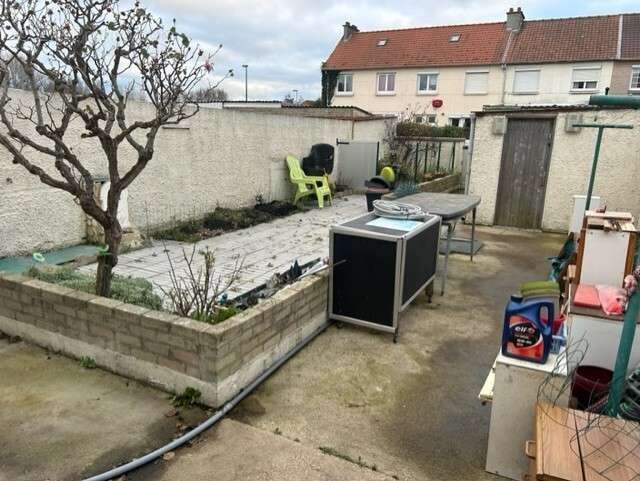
(160, 348)
(448, 183)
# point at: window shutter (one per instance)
(526, 81)
(476, 82)
(586, 75)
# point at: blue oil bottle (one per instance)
(527, 331)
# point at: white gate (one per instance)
(356, 162)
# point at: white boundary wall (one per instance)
(218, 157)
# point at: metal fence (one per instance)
(430, 154)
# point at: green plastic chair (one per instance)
(306, 184)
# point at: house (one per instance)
(443, 73)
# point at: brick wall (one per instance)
(621, 78)
(166, 350)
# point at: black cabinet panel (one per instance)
(420, 260)
(364, 284)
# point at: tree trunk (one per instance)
(108, 260)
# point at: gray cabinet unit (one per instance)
(379, 266)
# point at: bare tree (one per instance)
(92, 52)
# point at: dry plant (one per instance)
(195, 291)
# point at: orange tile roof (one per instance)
(566, 40)
(539, 41)
(479, 44)
(630, 45)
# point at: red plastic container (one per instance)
(590, 385)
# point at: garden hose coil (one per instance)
(397, 210)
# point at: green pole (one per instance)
(596, 154)
(624, 348)
(594, 166)
(629, 326)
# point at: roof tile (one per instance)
(479, 44)
(539, 41)
(630, 48)
(566, 40)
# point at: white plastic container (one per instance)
(577, 216)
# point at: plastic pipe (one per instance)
(624, 348)
(594, 166)
(630, 101)
(147, 458)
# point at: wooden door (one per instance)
(526, 152)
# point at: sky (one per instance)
(284, 42)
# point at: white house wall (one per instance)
(554, 88)
(450, 90)
(571, 158)
(555, 83)
(218, 157)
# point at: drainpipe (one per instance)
(503, 65)
(472, 135)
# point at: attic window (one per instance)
(454, 38)
(382, 42)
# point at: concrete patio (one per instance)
(352, 396)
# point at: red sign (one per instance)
(437, 103)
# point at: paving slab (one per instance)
(62, 422)
(233, 451)
(263, 249)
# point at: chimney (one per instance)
(348, 31)
(515, 19)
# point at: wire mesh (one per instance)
(607, 448)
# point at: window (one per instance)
(345, 84)
(635, 78)
(386, 83)
(585, 78)
(427, 83)
(382, 42)
(425, 119)
(476, 83)
(526, 81)
(460, 122)
(454, 38)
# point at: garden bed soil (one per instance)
(224, 219)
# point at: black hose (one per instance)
(152, 456)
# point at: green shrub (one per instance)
(406, 187)
(88, 362)
(187, 398)
(219, 316)
(413, 129)
(126, 289)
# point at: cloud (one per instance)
(284, 41)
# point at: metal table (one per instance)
(451, 208)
